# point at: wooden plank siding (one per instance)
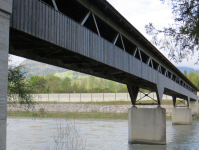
(42, 21)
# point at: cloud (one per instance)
(139, 13)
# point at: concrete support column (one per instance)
(194, 106)
(181, 116)
(147, 125)
(5, 10)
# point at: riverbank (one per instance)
(97, 115)
(57, 110)
(164, 102)
(81, 108)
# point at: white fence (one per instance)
(91, 97)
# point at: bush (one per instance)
(42, 110)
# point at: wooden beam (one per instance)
(113, 73)
(140, 55)
(135, 51)
(115, 40)
(122, 42)
(55, 5)
(133, 92)
(96, 24)
(85, 18)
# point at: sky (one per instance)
(139, 13)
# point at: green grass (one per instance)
(164, 102)
(68, 114)
(96, 115)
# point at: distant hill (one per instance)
(37, 68)
(72, 74)
(182, 69)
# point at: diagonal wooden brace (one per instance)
(159, 93)
(174, 100)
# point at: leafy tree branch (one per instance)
(181, 38)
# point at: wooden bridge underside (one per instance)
(89, 44)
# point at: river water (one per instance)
(98, 134)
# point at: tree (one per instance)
(75, 87)
(91, 82)
(53, 83)
(66, 83)
(112, 85)
(84, 85)
(181, 38)
(195, 80)
(185, 73)
(18, 86)
(191, 75)
(123, 89)
(39, 84)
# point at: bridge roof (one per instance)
(110, 11)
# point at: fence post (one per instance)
(38, 97)
(127, 96)
(103, 97)
(48, 96)
(80, 98)
(91, 97)
(115, 96)
(69, 97)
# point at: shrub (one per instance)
(42, 110)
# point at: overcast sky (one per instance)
(141, 12)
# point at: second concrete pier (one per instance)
(181, 116)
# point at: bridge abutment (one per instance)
(5, 10)
(147, 125)
(181, 116)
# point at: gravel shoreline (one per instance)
(82, 108)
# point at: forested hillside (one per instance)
(188, 70)
(48, 78)
(37, 68)
(193, 77)
(89, 84)
(73, 75)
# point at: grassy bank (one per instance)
(164, 102)
(97, 115)
(68, 114)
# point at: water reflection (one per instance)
(183, 136)
(102, 134)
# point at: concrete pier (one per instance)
(147, 126)
(194, 106)
(181, 116)
(5, 11)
